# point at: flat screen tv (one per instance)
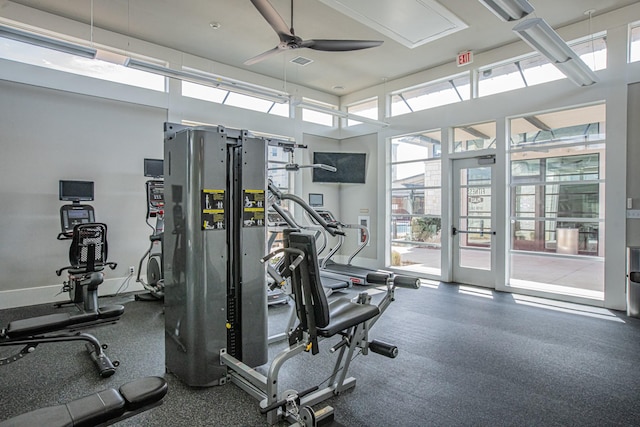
(351, 168)
(75, 191)
(153, 168)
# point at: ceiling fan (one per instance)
(288, 39)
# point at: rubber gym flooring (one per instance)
(467, 357)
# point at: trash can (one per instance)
(633, 281)
(567, 241)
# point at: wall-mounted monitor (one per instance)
(351, 168)
(316, 200)
(75, 191)
(153, 168)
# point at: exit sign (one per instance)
(465, 58)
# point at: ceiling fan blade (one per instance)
(263, 56)
(273, 18)
(339, 45)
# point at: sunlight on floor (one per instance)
(557, 289)
(477, 292)
(566, 307)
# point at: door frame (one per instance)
(468, 275)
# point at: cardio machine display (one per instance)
(75, 213)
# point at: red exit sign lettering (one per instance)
(465, 58)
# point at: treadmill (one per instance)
(332, 269)
(279, 219)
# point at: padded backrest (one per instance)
(316, 298)
(88, 248)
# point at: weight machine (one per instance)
(215, 290)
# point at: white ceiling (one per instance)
(184, 25)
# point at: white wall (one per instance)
(348, 201)
(362, 200)
(48, 135)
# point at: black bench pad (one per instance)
(110, 311)
(96, 408)
(143, 392)
(42, 324)
(87, 411)
(59, 321)
(344, 314)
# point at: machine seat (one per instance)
(101, 407)
(344, 314)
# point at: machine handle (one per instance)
(59, 272)
(296, 262)
(407, 282)
(377, 278)
(384, 349)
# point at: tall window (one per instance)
(227, 97)
(277, 158)
(557, 183)
(368, 108)
(534, 69)
(634, 42)
(416, 208)
(480, 136)
(318, 116)
(61, 61)
(447, 91)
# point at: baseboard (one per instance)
(51, 294)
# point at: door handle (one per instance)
(455, 231)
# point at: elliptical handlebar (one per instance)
(332, 228)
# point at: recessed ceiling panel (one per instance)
(409, 22)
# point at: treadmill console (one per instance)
(72, 215)
(155, 197)
(274, 219)
(325, 214)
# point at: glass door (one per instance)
(473, 233)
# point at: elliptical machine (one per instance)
(155, 209)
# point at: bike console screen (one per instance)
(72, 215)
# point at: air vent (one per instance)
(301, 60)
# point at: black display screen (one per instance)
(153, 168)
(76, 191)
(351, 167)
